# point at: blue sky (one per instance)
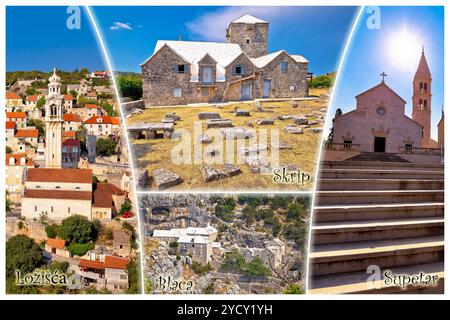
(315, 32)
(374, 51)
(37, 39)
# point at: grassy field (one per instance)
(156, 153)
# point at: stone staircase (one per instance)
(389, 214)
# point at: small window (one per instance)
(35, 208)
(58, 187)
(177, 92)
(247, 40)
(347, 144)
(238, 70)
(292, 88)
(181, 68)
(425, 104)
(68, 209)
(408, 147)
(283, 66)
(123, 277)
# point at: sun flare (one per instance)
(403, 48)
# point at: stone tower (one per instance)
(53, 122)
(251, 33)
(422, 98)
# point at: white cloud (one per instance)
(121, 25)
(211, 26)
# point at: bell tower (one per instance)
(53, 122)
(422, 98)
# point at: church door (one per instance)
(266, 88)
(246, 90)
(379, 144)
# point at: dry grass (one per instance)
(156, 153)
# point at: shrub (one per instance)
(201, 269)
(20, 225)
(80, 249)
(256, 267)
(22, 253)
(323, 81)
(52, 230)
(106, 146)
(77, 229)
(173, 244)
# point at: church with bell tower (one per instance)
(54, 113)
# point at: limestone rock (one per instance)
(257, 164)
(141, 177)
(237, 133)
(208, 115)
(293, 130)
(165, 179)
(287, 117)
(172, 115)
(256, 149)
(231, 170)
(212, 174)
(223, 123)
(301, 120)
(263, 122)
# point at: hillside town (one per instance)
(70, 194)
(205, 244)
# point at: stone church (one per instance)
(181, 72)
(379, 123)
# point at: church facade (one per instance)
(379, 122)
(182, 72)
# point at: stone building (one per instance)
(181, 72)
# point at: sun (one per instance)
(403, 48)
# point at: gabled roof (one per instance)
(27, 133)
(102, 120)
(71, 143)
(20, 115)
(60, 175)
(299, 58)
(56, 243)
(116, 262)
(381, 84)
(68, 97)
(91, 264)
(12, 95)
(247, 18)
(34, 97)
(17, 157)
(72, 117)
(263, 61)
(103, 193)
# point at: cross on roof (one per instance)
(383, 74)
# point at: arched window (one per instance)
(425, 87)
(421, 86)
(58, 187)
(420, 104)
(425, 104)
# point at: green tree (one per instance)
(40, 103)
(109, 109)
(323, 81)
(52, 230)
(126, 206)
(234, 261)
(38, 124)
(78, 229)
(133, 277)
(23, 254)
(80, 249)
(256, 267)
(81, 136)
(106, 146)
(31, 91)
(130, 86)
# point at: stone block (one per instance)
(165, 179)
(300, 120)
(293, 130)
(242, 113)
(263, 122)
(237, 133)
(258, 164)
(219, 124)
(172, 115)
(208, 115)
(212, 174)
(231, 170)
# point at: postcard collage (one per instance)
(223, 150)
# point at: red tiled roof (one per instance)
(71, 142)
(69, 134)
(103, 195)
(12, 95)
(56, 243)
(27, 133)
(91, 264)
(10, 125)
(68, 97)
(16, 115)
(72, 117)
(91, 106)
(115, 262)
(57, 194)
(60, 175)
(102, 120)
(17, 157)
(34, 97)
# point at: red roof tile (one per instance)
(69, 134)
(10, 125)
(68, 97)
(60, 175)
(71, 143)
(56, 243)
(72, 117)
(57, 194)
(103, 194)
(91, 264)
(91, 106)
(27, 133)
(116, 262)
(16, 115)
(12, 95)
(34, 97)
(102, 120)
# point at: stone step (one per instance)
(380, 184)
(377, 197)
(358, 256)
(371, 230)
(356, 282)
(377, 211)
(380, 174)
(380, 165)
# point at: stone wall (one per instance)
(130, 106)
(253, 38)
